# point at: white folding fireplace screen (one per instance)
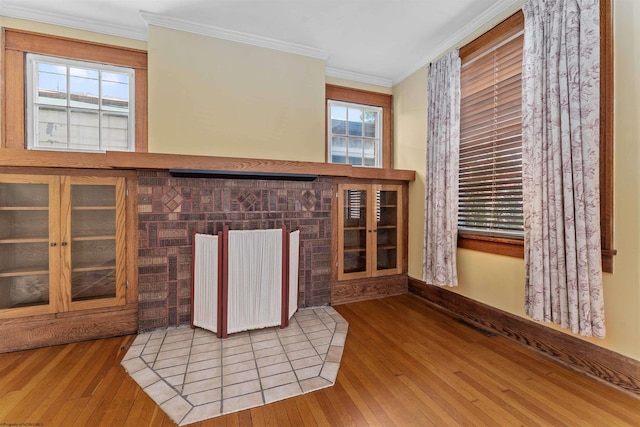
(244, 279)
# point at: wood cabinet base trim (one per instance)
(347, 291)
(62, 328)
(598, 362)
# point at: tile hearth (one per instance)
(193, 375)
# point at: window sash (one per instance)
(358, 148)
(76, 138)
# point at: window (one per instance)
(491, 120)
(72, 95)
(358, 127)
(79, 106)
(490, 188)
(354, 134)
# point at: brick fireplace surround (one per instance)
(170, 209)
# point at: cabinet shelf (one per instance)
(93, 208)
(93, 268)
(25, 272)
(388, 227)
(30, 304)
(386, 247)
(91, 238)
(354, 228)
(354, 249)
(24, 208)
(25, 240)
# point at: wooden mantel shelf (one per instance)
(125, 160)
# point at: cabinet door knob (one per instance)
(63, 244)
(53, 244)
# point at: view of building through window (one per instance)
(354, 134)
(79, 106)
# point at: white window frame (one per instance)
(378, 139)
(32, 86)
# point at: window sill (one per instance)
(494, 245)
(515, 248)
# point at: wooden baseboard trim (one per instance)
(51, 329)
(590, 359)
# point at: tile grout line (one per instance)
(255, 363)
(164, 336)
(222, 374)
(162, 378)
(313, 310)
(333, 336)
(324, 359)
(221, 387)
(184, 378)
(286, 353)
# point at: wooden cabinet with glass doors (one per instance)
(62, 244)
(369, 230)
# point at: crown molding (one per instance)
(484, 20)
(358, 77)
(502, 9)
(231, 35)
(19, 12)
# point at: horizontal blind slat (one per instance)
(490, 180)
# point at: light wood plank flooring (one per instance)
(404, 364)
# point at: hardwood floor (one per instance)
(404, 364)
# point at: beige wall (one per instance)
(214, 97)
(410, 135)
(499, 281)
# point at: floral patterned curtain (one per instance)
(441, 194)
(560, 139)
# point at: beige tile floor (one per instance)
(193, 375)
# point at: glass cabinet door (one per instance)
(25, 242)
(62, 243)
(354, 214)
(93, 238)
(386, 229)
(369, 230)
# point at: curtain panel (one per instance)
(441, 187)
(561, 201)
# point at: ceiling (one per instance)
(373, 41)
